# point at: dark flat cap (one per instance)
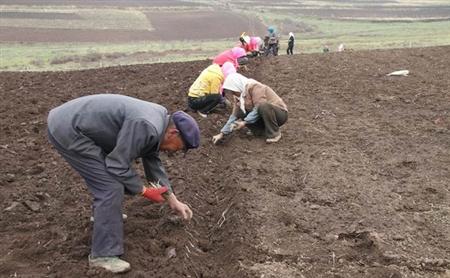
(188, 129)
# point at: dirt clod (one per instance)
(33, 206)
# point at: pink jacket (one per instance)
(254, 45)
(230, 55)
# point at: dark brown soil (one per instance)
(202, 25)
(355, 10)
(186, 25)
(357, 187)
(379, 13)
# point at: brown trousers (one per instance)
(271, 118)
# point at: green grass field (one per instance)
(69, 56)
(364, 34)
(315, 33)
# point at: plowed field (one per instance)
(358, 186)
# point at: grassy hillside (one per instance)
(312, 33)
(70, 56)
(371, 25)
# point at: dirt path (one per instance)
(357, 187)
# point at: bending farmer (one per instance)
(100, 136)
(205, 93)
(256, 106)
(236, 56)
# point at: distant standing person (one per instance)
(290, 44)
(101, 136)
(271, 42)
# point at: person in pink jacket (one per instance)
(251, 45)
(236, 56)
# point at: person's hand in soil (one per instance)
(154, 194)
(237, 125)
(180, 208)
(216, 138)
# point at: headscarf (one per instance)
(291, 34)
(237, 52)
(227, 69)
(236, 82)
(255, 42)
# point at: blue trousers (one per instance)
(108, 193)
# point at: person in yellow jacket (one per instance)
(205, 93)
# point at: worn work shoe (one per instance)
(274, 139)
(224, 104)
(124, 217)
(202, 115)
(113, 264)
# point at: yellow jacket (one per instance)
(208, 82)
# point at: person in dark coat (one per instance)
(290, 44)
(101, 136)
(271, 41)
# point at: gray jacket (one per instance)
(115, 128)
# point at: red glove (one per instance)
(155, 194)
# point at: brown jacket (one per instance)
(256, 94)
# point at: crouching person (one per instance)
(205, 94)
(100, 136)
(256, 106)
(236, 56)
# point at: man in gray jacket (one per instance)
(100, 136)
